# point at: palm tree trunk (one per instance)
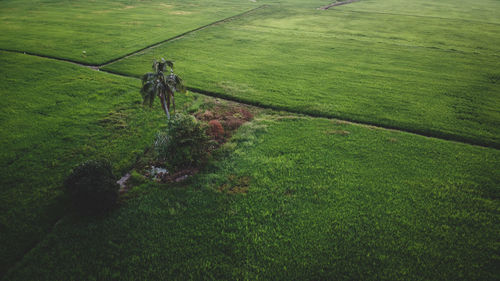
(173, 101)
(168, 99)
(164, 105)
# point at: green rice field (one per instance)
(373, 153)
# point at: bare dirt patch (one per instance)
(338, 132)
(180, 13)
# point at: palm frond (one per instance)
(157, 83)
(148, 94)
(155, 65)
(147, 87)
(179, 84)
(147, 77)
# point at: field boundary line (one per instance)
(98, 66)
(336, 4)
(423, 133)
(95, 67)
(179, 36)
(430, 134)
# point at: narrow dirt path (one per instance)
(337, 4)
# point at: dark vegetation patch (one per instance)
(115, 120)
(494, 78)
(220, 119)
(91, 187)
(86, 115)
(235, 185)
(362, 207)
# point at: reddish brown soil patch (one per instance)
(236, 185)
(215, 130)
(223, 120)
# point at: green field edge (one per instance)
(318, 114)
(180, 35)
(97, 66)
(94, 66)
(426, 133)
(421, 16)
(335, 4)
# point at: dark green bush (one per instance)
(91, 187)
(184, 144)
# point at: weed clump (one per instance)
(92, 187)
(215, 130)
(184, 144)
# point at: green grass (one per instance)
(53, 116)
(486, 11)
(326, 201)
(433, 76)
(103, 29)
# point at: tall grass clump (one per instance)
(183, 144)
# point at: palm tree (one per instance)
(156, 83)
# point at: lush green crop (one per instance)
(98, 31)
(291, 197)
(55, 115)
(434, 76)
(326, 201)
(485, 11)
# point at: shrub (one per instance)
(233, 123)
(136, 178)
(215, 130)
(184, 143)
(91, 187)
(247, 115)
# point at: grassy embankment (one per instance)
(326, 200)
(428, 75)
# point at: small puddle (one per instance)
(123, 182)
(157, 171)
(157, 174)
